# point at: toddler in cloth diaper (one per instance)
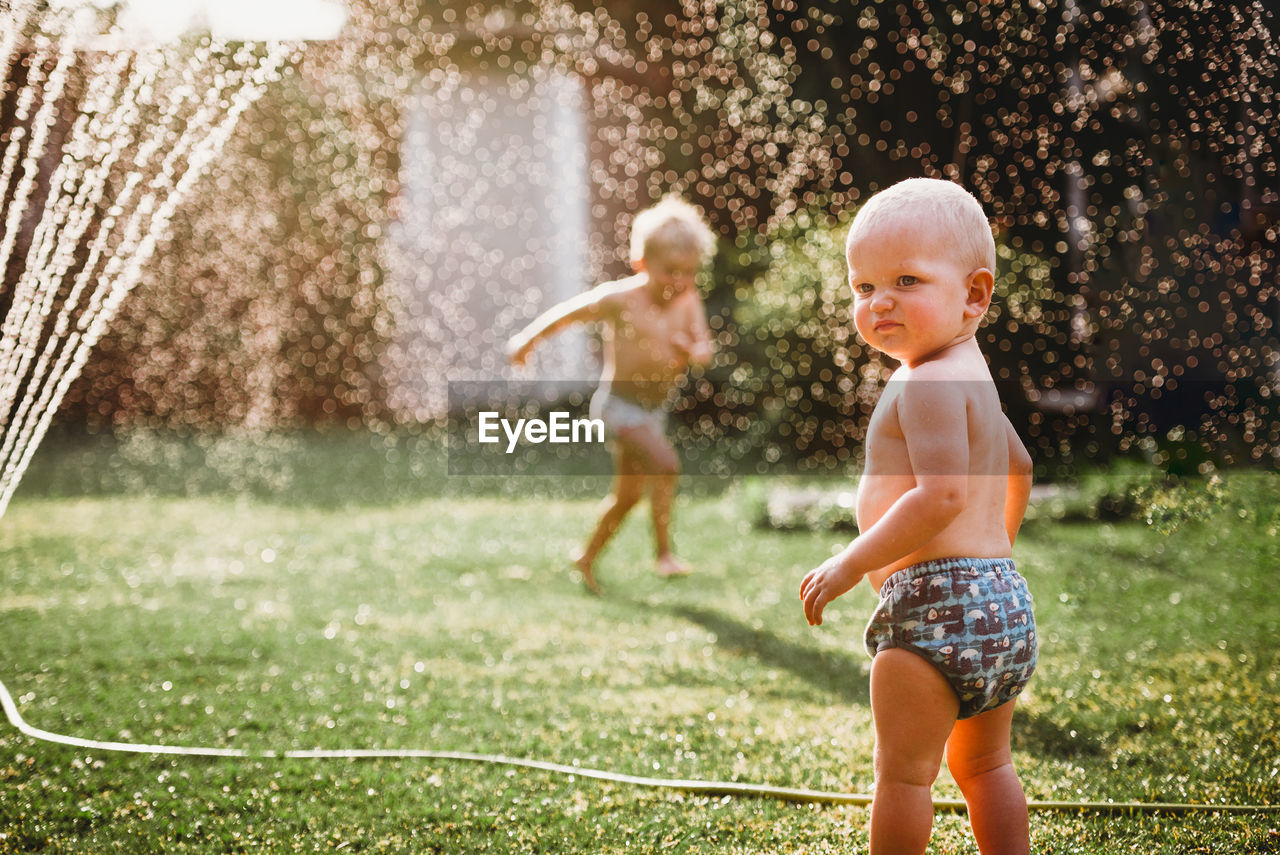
(940, 500)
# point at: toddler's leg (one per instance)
(979, 759)
(914, 709)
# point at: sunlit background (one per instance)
(408, 183)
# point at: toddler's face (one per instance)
(910, 298)
(672, 270)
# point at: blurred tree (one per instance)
(1122, 148)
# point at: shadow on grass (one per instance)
(1045, 735)
(841, 676)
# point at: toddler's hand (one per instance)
(823, 585)
(517, 351)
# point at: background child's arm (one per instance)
(587, 306)
(932, 416)
(695, 338)
(1019, 489)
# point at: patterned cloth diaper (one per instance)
(970, 617)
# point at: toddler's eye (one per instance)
(906, 281)
(863, 288)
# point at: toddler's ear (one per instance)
(981, 286)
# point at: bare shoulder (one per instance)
(688, 307)
(692, 300)
(959, 364)
(944, 390)
(612, 296)
(625, 285)
(964, 371)
(929, 388)
(937, 377)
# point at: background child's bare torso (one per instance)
(642, 356)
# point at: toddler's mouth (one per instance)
(885, 326)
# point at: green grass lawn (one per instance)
(448, 621)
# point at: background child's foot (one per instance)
(669, 566)
(584, 569)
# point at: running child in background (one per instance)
(654, 328)
(945, 487)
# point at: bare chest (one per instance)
(643, 321)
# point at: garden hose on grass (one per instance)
(703, 788)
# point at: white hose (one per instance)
(707, 788)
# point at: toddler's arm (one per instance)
(933, 422)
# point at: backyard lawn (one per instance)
(266, 620)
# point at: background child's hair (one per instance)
(672, 223)
(938, 202)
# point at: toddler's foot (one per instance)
(584, 569)
(669, 566)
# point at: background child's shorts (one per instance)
(971, 617)
(619, 413)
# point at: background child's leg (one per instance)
(662, 465)
(662, 489)
(652, 450)
(979, 759)
(914, 709)
(628, 487)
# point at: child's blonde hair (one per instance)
(932, 201)
(672, 223)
